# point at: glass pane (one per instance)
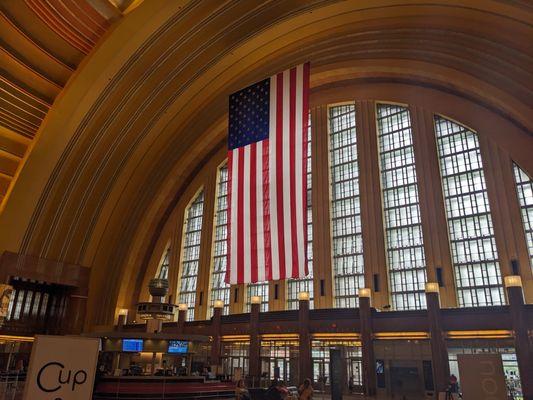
(191, 253)
(403, 228)
(347, 241)
(163, 268)
(257, 289)
(524, 187)
(475, 258)
(220, 290)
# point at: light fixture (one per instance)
(218, 304)
(365, 292)
(432, 287)
(123, 311)
(303, 296)
(183, 307)
(255, 300)
(513, 281)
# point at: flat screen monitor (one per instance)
(178, 346)
(132, 345)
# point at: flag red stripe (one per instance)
(292, 171)
(305, 152)
(240, 216)
(279, 176)
(266, 212)
(253, 212)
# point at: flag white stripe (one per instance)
(287, 168)
(261, 253)
(273, 180)
(246, 217)
(300, 207)
(234, 218)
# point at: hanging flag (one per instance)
(267, 187)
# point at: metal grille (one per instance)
(295, 286)
(347, 240)
(524, 187)
(220, 290)
(475, 257)
(403, 227)
(191, 253)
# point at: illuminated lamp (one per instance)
(513, 281)
(303, 296)
(183, 307)
(365, 292)
(255, 300)
(218, 304)
(432, 287)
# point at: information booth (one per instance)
(152, 354)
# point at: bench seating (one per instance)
(130, 390)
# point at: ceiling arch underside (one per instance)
(43, 43)
(149, 107)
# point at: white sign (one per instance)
(61, 368)
(482, 376)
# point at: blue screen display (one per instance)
(132, 345)
(178, 346)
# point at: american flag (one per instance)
(267, 187)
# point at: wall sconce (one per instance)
(432, 287)
(255, 300)
(218, 304)
(365, 292)
(512, 281)
(303, 296)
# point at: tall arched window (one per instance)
(190, 254)
(347, 237)
(295, 286)
(403, 227)
(475, 257)
(220, 290)
(524, 187)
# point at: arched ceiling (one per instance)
(43, 43)
(149, 104)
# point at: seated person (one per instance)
(241, 392)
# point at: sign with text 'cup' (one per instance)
(482, 376)
(61, 368)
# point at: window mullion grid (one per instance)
(191, 254)
(524, 187)
(403, 229)
(345, 207)
(220, 290)
(474, 253)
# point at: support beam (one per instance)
(255, 345)
(216, 328)
(372, 225)
(305, 366)
(369, 362)
(522, 343)
(439, 352)
(320, 197)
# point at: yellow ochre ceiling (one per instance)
(42, 44)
